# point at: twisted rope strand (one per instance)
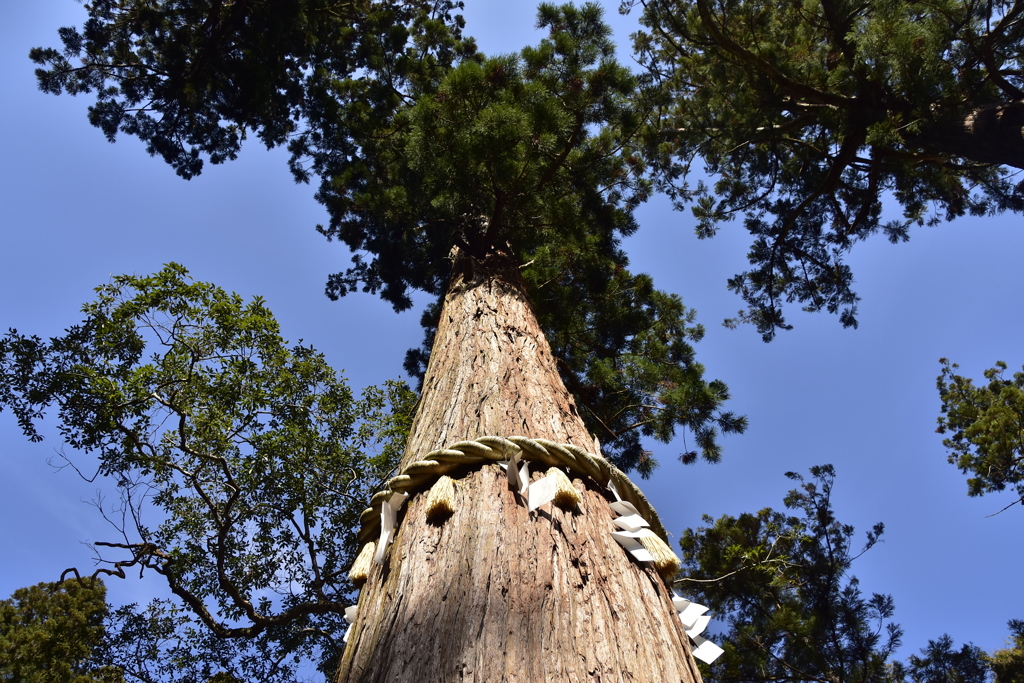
(423, 473)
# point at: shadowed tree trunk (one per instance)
(495, 593)
(992, 134)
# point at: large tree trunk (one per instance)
(993, 134)
(495, 593)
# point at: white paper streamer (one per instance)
(694, 622)
(388, 518)
(705, 650)
(628, 540)
(542, 492)
(624, 508)
(518, 477)
(350, 617)
(630, 522)
(691, 614)
(699, 624)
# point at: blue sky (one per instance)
(76, 210)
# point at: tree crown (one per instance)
(809, 115)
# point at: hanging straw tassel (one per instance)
(441, 500)
(566, 495)
(665, 561)
(361, 567)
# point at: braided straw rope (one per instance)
(487, 449)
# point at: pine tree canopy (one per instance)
(426, 150)
(783, 583)
(191, 78)
(55, 632)
(985, 427)
(809, 116)
(1008, 664)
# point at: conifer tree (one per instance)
(55, 632)
(1008, 663)
(783, 583)
(503, 186)
(807, 116)
(985, 427)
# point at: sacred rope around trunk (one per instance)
(640, 532)
(421, 474)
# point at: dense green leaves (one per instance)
(985, 426)
(625, 351)
(783, 583)
(55, 632)
(941, 662)
(164, 643)
(807, 115)
(506, 153)
(66, 633)
(421, 147)
(1008, 664)
(796, 614)
(191, 78)
(241, 464)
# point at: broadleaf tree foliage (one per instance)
(241, 465)
(782, 581)
(424, 150)
(807, 116)
(985, 425)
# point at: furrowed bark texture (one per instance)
(495, 593)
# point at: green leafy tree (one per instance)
(192, 78)
(465, 177)
(55, 632)
(432, 147)
(241, 464)
(163, 642)
(985, 425)
(782, 582)
(808, 115)
(1008, 664)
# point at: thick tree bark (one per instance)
(989, 135)
(495, 593)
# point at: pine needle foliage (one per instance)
(985, 427)
(1008, 663)
(807, 116)
(782, 583)
(421, 145)
(55, 632)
